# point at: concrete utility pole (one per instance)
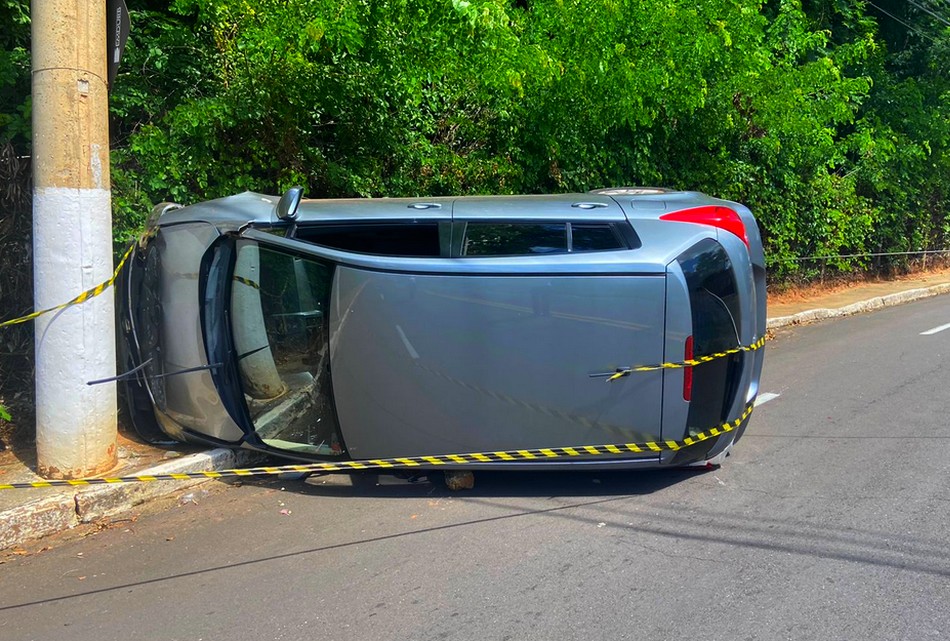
(72, 239)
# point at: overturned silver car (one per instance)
(342, 330)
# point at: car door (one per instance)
(441, 355)
(495, 352)
(278, 293)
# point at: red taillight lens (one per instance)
(688, 371)
(721, 217)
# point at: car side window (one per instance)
(594, 238)
(399, 238)
(280, 330)
(530, 238)
(514, 239)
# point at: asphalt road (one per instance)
(829, 521)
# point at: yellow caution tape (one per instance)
(101, 287)
(82, 298)
(577, 452)
(619, 373)
(247, 281)
(692, 362)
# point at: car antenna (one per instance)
(128, 374)
(121, 377)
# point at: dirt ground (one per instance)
(833, 295)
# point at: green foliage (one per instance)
(830, 119)
(15, 72)
(784, 155)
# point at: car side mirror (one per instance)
(288, 203)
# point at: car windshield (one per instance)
(280, 335)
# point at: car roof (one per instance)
(530, 207)
(598, 205)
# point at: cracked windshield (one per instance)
(280, 332)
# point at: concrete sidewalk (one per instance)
(794, 309)
(34, 513)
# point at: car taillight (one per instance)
(721, 217)
(688, 371)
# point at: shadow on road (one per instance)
(490, 483)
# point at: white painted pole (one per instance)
(72, 239)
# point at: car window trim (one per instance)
(475, 266)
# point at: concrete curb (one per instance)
(813, 315)
(47, 515)
(37, 518)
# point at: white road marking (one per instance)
(935, 330)
(405, 341)
(765, 397)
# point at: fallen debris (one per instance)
(457, 480)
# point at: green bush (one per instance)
(830, 120)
